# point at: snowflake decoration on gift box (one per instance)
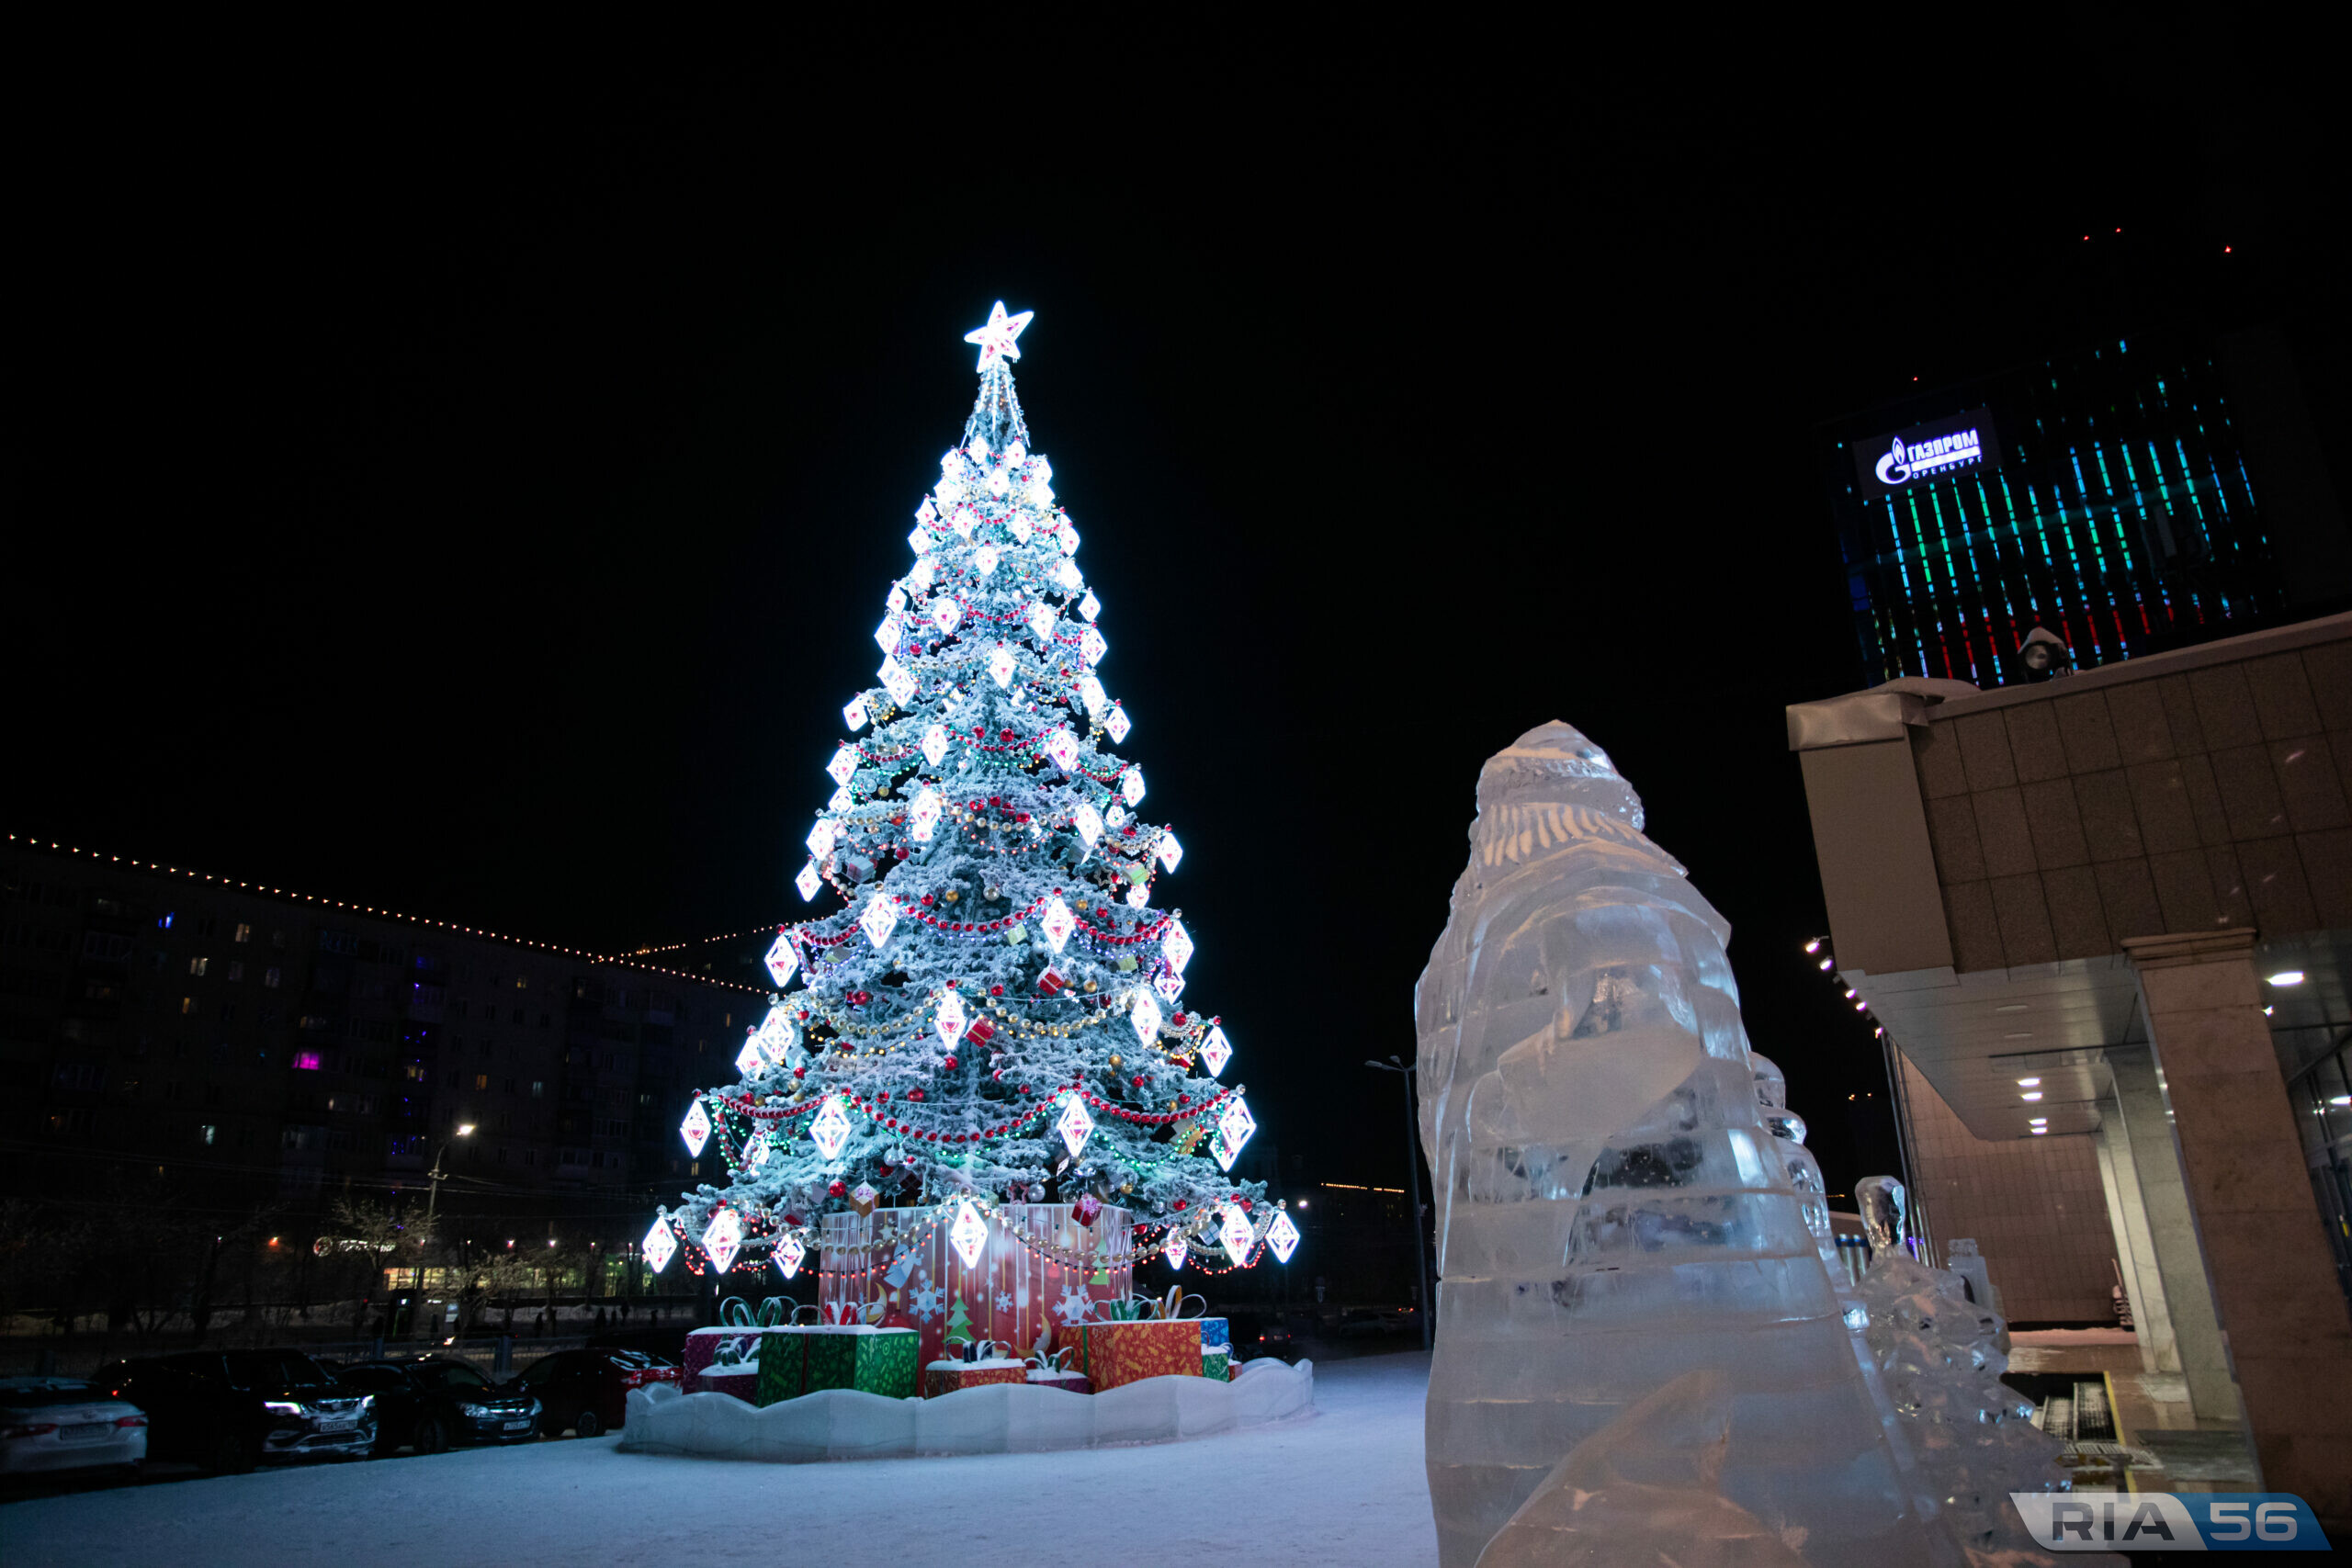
(1074, 1305)
(926, 1303)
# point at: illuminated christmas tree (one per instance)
(995, 1014)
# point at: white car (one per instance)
(66, 1424)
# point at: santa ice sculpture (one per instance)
(1611, 1212)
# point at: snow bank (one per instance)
(993, 1419)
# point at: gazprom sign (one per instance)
(1909, 458)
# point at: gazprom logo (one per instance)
(2169, 1522)
(1883, 464)
(1906, 461)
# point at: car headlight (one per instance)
(475, 1412)
(281, 1407)
(367, 1403)
(536, 1406)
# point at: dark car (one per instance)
(230, 1410)
(587, 1390)
(429, 1403)
(1255, 1335)
(1372, 1323)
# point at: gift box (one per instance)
(783, 1365)
(946, 1377)
(1071, 1382)
(1216, 1363)
(1113, 1354)
(1215, 1332)
(730, 1353)
(877, 1361)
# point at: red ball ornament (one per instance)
(799, 1071)
(1180, 1203)
(915, 1094)
(949, 1063)
(1138, 1080)
(838, 1189)
(1179, 1020)
(996, 990)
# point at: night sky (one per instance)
(462, 476)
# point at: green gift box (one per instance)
(1215, 1362)
(783, 1360)
(877, 1361)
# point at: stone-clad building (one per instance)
(2106, 923)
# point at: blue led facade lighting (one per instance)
(2104, 496)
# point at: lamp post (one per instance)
(1413, 1178)
(433, 1199)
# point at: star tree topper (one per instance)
(996, 339)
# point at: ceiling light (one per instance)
(2028, 1082)
(2039, 1132)
(1814, 946)
(2287, 977)
(2030, 1094)
(2339, 1100)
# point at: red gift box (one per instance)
(1075, 1382)
(1111, 1354)
(946, 1377)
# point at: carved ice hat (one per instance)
(1549, 787)
(1555, 765)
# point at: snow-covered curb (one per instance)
(993, 1419)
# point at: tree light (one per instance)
(948, 1018)
(1145, 1019)
(831, 1128)
(783, 959)
(809, 880)
(1056, 922)
(1216, 1052)
(694, 1130)
(1074, 1124)
(1282, 1236)
(1177, 946)
(1236, 1233)
(969, 1235)
(722, 1238)
(788, 1255)
(659, 1246)
(879, 919)
(1233, 1130)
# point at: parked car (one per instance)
(587, 1390)
(49, 1424)
(1372, 1323)
(230, 1410)
(1255, 1335)
(428, 1402)
(666, 1343)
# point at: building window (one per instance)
(174, 1090)
(270, 977)
(244, 933)
(482, 1080)
(197, 966)
(208, 1134)
(228, 1013)
(77, 1123)
(187, 1005)
(306, 1061)
(538, 1090)
(236, 971)
(507, 1086)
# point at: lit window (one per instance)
(538, 1090)
(196, 965)
(187, 1005)
(306, 1061)
(244, 933)
(482, 1080)
(270, 977)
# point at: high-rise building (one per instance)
(256, 1048)
(2137, 495)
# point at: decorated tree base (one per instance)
(840, 1424)
(1036, 1272)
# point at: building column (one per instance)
(2289, 1338)
(2135, 1250)
(2201, 1351)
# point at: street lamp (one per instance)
(1413, 1176)
(464, 1130)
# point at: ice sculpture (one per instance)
(1613, 1213)
(1971, 1436)
(1645, 1489)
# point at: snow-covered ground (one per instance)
(1344, 1487)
